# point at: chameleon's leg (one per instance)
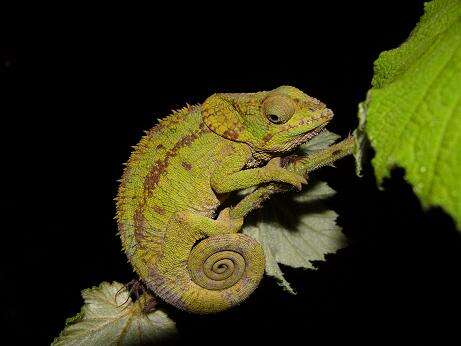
(205, 226)
(253, 200)
(230, 175)
(300, 164)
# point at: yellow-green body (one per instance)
(180, 173)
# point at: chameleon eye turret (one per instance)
(278, 108)
(177, 177)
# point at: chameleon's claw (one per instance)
(299, 186)
(302, 181)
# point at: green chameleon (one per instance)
(184, 247)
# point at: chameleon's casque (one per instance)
(183, 169)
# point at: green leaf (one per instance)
(413, 111)
(109, 317)
(295, 229)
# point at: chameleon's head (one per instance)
(270, 121)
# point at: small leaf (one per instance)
(321, 141)
(413, 111)
(109, 317)
(296, 229)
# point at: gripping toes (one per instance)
(278, 173)
(232, 224)
(292, 178)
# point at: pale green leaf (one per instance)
(413, 111)
(296, 229)
(321, 141)
(109, 317)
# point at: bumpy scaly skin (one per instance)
(182, 170)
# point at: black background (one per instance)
(93, 79)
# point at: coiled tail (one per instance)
(220, 272)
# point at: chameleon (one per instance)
(175, 228)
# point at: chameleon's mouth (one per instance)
(308, 135)
(311, 134)
(307, 129)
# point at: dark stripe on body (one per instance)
(156, 172)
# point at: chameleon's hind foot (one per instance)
(149, 303)
(135, 289)
(207, 226)
(231, 223)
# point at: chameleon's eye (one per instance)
(278, 109)
(273, 118)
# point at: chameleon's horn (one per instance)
(221, 116)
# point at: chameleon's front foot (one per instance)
(276, 172)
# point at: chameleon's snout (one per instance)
(327, 113)
(312, 123)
